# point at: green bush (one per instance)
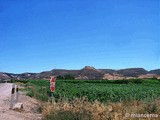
(66, 77)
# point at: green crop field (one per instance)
(101, 90)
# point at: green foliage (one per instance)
(65, 77)
(69, 77)
(102, 90)
(59, 77)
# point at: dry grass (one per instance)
(81, 109)
(78, 109)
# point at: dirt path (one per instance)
(30, 105)
(5, 91)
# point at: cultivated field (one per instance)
(96, 99)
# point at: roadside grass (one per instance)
(82, 109)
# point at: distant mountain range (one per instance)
(87, 72)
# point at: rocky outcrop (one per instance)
(91, 73)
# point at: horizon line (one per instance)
(79, 69)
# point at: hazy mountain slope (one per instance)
(132, 72)
(87, 72)
(157, 71)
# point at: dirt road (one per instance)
(5, 91)
(30, 105)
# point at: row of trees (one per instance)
(66, 77)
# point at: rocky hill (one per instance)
(87, 72)
(157, 71)
(132, 72)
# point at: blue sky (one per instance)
(38, 35)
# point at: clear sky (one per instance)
(39, 35)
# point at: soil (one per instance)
(30, 106)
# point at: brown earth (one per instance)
(30, 106)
